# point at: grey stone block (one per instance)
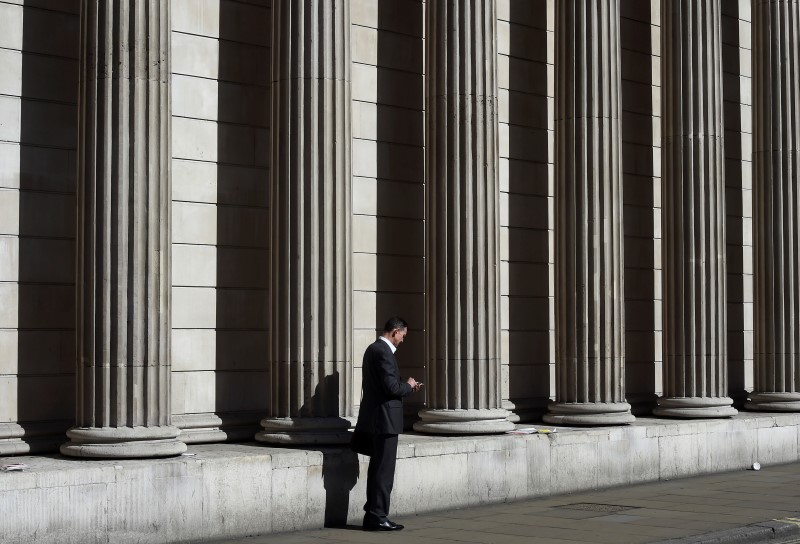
(627, 459)
(682, 455)
(43, 306)
(224, 60)
(223, 496)
(438, 483)
(46, 260)
(372, 159)
(302, 507)
(46, 352)
(50, 215)
(173, 508)
(215, 18)
(777, 444)
(573, 466)
(389, 50)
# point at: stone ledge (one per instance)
(233, 490)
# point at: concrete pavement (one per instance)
(735, 507)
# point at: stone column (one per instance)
(590, 301)
(693, 209)
(123, 239)
(462, 222)
(310, 216)
(776, 133)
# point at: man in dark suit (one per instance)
(381, 417)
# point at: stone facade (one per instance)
(520, 203)
(229, 491)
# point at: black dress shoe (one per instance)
(383, 526)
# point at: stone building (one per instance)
(587, 212)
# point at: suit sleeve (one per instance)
(389, 377)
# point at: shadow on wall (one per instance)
(325, 400)
(340, 470)
(639, 198)
(739, 268)
(528, 254)
(399, 131)
(242, 252)
(47, 224)
(340, 467)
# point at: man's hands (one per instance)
(415, 385)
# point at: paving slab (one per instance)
(748, 507)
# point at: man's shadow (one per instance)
(340, 470)
(340, 466)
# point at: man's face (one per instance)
(397, 337)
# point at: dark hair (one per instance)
(395, 323)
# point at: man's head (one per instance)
(395, 330)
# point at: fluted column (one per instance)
(776, 240)
(123, 239)
(462, 222)
(310, 345)
(590, 313)
(693, 209)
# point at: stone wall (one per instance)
(221, 99)
(388, 179)
(737, 95)
(220, 191)
(238, 490)
(38, 138)
(525, 79)
(640, 35)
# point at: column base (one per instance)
(305, 431)
(526, 410)
(695, 407)
(488, 421)
(774, 402)
(13, 446)
(32, 437)
(211, 427)
(589, 413)
(123, 442)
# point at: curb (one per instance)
(776, 530)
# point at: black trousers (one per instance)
(380, 477)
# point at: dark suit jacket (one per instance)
(383, 391)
